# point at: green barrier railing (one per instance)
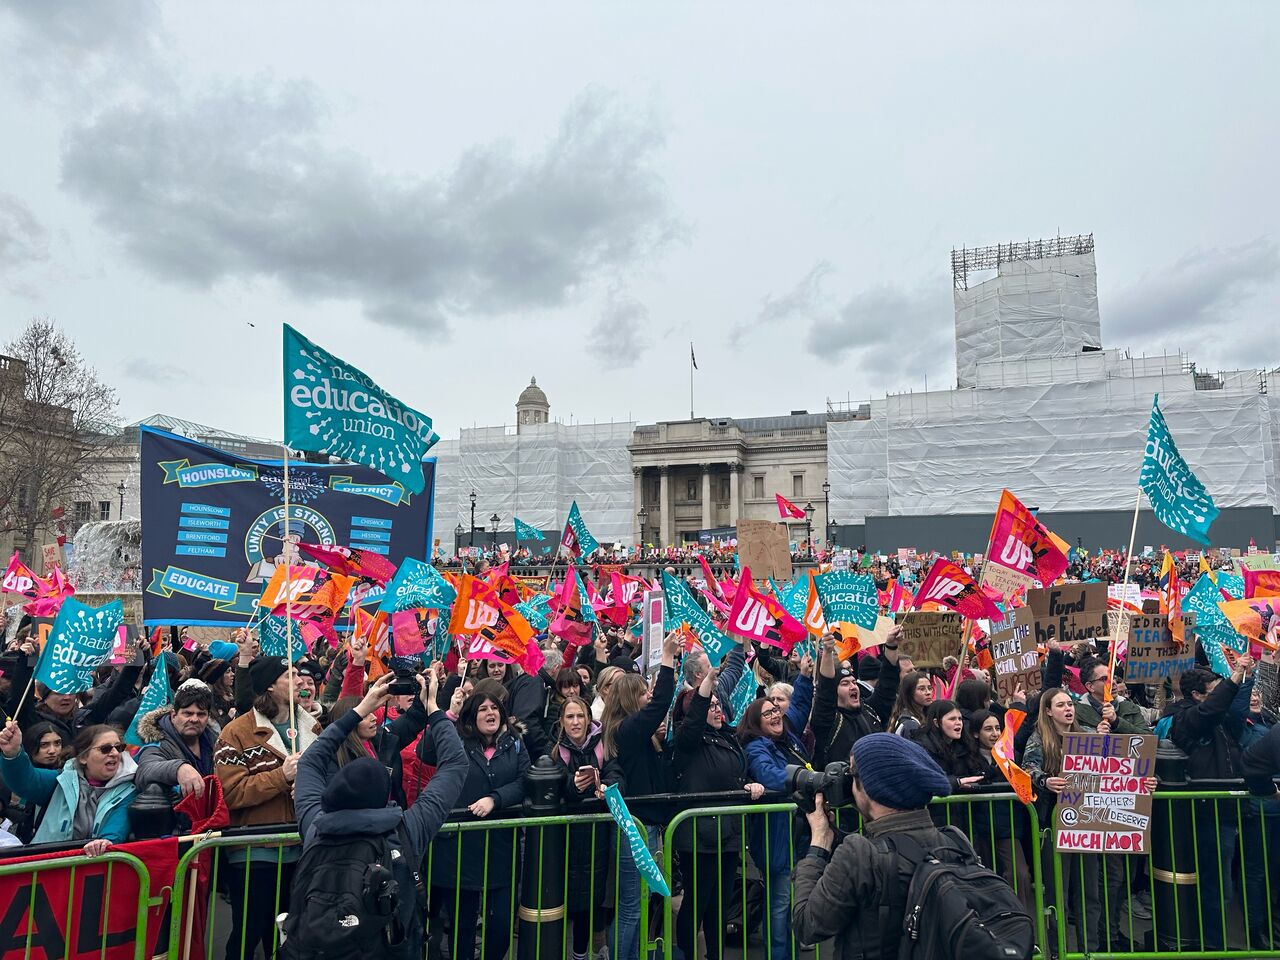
(553, 848)
(993, 822)
(51, 934)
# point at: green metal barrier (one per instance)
(68, 934)
(982, 817)
(491, 913)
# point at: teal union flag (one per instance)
(331, 407)
(1178, 498)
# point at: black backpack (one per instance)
(355, 897)
(954, 908)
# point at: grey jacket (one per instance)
(839, 894)
(163, 751)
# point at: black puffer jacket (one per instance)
(1208, 734)
(707, 760)
(646, 770)
(500, 777)
(590, 844)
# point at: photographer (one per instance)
(840, 889)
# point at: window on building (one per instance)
(83, 511)
(104, 509)
(655, 491)
(797, 485)
(724, 488)
(757, 488)
(691, 489)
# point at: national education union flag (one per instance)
(1179, 500)
(331, 407)
(526, 532)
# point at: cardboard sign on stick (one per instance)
(1152, 654)
(1013, 650)
(929, 636)
(1106, 807)
(1070, 613)
(763, 547)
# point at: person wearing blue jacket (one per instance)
(88, 799)
(772, 742)
(356, 799)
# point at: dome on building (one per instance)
(532, 394)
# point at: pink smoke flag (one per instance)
(788, 509)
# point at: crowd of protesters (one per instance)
(669, 733)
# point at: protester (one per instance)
(88, 799)
(768, 736)
(565, 683)
(840, 717)
(604, 682)
(335, 807)
(478, 869)
(1123, 716)
(580, 755)
(1006, 819)
(526, 702)
(178, 741)
(943, 738)
(839, 888)
(256, 765)
(707, 759)
(915, 693)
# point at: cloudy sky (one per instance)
(455, 197)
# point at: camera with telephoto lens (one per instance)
(835, 783)
(405, 683)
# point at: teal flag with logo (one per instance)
(680, 607)
(1178, 498)
(640, 854)
(157, 694)
(526, 532)
(848, 597)
(80, 641)
(331, 407)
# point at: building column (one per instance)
(706, 496)
(735, 492)
(638, 473)
(664, 506)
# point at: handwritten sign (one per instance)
(1069, 613)
(1106, 807)
(929, 636)
(763, 548)
(1013, 650)
(1152, 653)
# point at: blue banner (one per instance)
(848, 597)
(526, 532)
(208, 548)
(331, 407)
(417, 584)
(742, 695)
(536, 610)
(275, 639)
(586, 542)
(635, 840)
(1178, 498)
(79, 642)
(680, 607)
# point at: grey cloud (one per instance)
(23, 239)
(151, 370)
(1202, 289)
(241, 184)
(87, 25)
(891, 332)
(618, 338)
(804, 301)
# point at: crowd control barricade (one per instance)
(76, 906)
(731, 869)
(521, 911)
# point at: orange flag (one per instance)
(814, 621)
(1002, 753)
(1257, 618)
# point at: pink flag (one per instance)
(761, 617)
(712, 583)
(407, 628)
(788, 509)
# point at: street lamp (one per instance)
(808, 527)
(831, 532)
(473, 518)
(457, 538)
(120, 490)
(826, 505)
(495, 519)
(642, 516)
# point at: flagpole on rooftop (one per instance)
(693, 365)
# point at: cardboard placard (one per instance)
(1152, 655)
(928, 636)
(1105, 807)
(652, 633)
(1069, 613)
(763, 547)
(1013, 650)
(1003, 579)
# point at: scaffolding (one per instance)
(969, 259)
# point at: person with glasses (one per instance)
(1124, 716)
(88, 799)
(770, 735)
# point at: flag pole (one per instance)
(1122, 615)
(288, 609)
(690, 379)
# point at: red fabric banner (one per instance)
(100, 925)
